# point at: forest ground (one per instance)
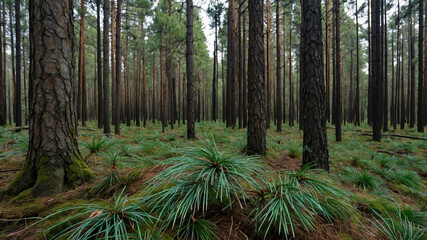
(143, 148)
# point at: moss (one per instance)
(77, 172)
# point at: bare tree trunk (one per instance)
(420, 127)
(53, 160)
(99, 60)
(338, 72)
(278, 73)
(191, 132)
(315, 145)
(118, 69)
(18, 119)
(106, 70)
(376, 68)
(268, 111)
(256, 143)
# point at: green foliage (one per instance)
(109, 183)
(97, 145)
(397, 226)
(109, 220)
(362, 179)
(295, 199)
(20, 148)
(197, 229)
(203, 176)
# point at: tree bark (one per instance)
(278, 73)
(338, 103)
(420, 122)
(18, 120)
(256, 143)
(53, 161)
(118, 68)
(106, 70)
(191, 93)
(376, 67)
(315, 143)
(99, 70)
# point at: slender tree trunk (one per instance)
(385, 77)
(284, 69)
(337, 72)
(12, 47)
(81, 63)
(357, 102)
(420, 127)
(240, 76)
(99, 60)
(291, 86)
(53, 160)
(412, 85)
(214, 78)
(256, 143)
(106, 70)
(113, 67)
(268, 110)
(18, 119)
(2, 82)
(153, 107)
(376, 68)
(191, 132)
(4, 63)
(245, 93)
(278, 73)
(328, 62)
(118, 69)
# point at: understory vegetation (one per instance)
(150, 185)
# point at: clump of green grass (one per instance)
(294, 149)
(20, 147)
(96, 145)
(201, 178)
(114, 220)
(362, 179)
(397, 226)
(295, 199)
(199, 229)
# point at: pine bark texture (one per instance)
(315, 141)
(256, 82)
(53, 160)
(191, 92)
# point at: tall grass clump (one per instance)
(362, 179)
(116, 220)
(297, 199)
(397, 226)
(200, 179)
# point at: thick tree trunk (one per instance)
(191, 93)
(53, 160)
(315, 144)
(256, 143)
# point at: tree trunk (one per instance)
(2, 83)
(357, 101)
(412, 85)
(278, 73)
(191, 93)
(118, 68)
(315, 143)
(53, 160)
(420, 125)
(328, 62)
(99, 60)
(376, 68)
(256, 143)
(113, 67)
(106, 70)
(18, 120)
(245, 93)
(268, 110)
(337, 72)
(81, 63)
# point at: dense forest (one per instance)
(213, 119)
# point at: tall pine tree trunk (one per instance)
(256, 143)
(53, 160)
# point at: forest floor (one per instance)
(379, 176)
